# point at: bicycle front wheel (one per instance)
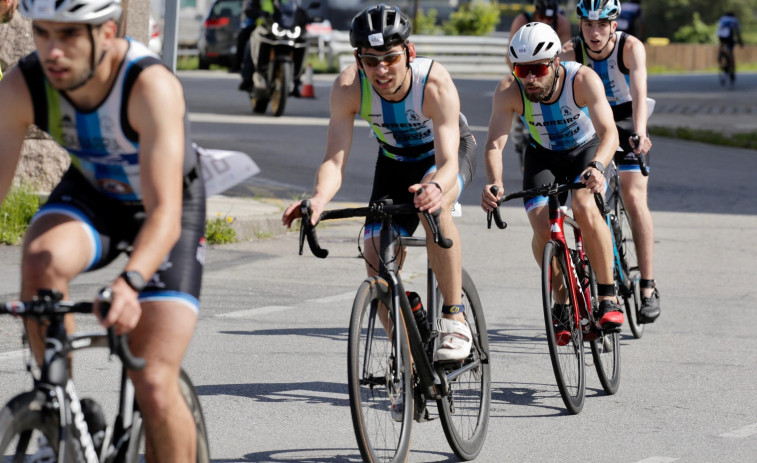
(564, 335)
(379, 377)
(605, 348)
(27, 423)
(464, 411)
(136, 450)
(629, 287)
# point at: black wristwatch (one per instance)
(597, 165)
(134, 279)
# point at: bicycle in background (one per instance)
(52, 412)
(569, 297)
(391, 371)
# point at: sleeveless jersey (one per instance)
(612, 71)
(102, 144)
(561, 125)
(401, 128)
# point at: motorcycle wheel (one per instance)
(284, 75)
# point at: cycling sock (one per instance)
(647, 283)
(453, 309)
(606, 290)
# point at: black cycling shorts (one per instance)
(627, 160)
(113, 225)
(392, 178)
(542, 166)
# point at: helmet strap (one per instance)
(92, 63)
(554, 84)
(403, 80)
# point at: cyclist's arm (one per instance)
(635, 59)
(344, 104)
(590, 92)
(13, 125)
(156, 111)
(567, 53)
(441, 103)
(563, 29)
(505, 103)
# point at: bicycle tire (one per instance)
(136, 449)
(373, 389)
(605, 349)
(464, 412)
(22, 420)
(629, 263)
(567, 355)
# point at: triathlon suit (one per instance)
(727, 27)
(101, 188)
(562, 138)
(406, 144)
(617, 81)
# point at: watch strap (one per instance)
(597, 165)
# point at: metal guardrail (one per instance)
(458, 54)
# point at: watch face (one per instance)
(135, 280)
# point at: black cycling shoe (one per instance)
(650, 308)
(609, 314)
(245, 86)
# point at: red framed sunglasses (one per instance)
(538, 70)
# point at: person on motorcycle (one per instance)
(426, 151)
(256, 13)
(549, 13)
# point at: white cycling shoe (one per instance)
(455, 340)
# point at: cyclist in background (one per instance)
(630, 20)
(134, 181)
(572, 135)
(7, 8)
(620, 61)
(413, 108)
(548, 12)
(729, 33)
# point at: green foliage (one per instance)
(663, 18)
(17, 211)
(739, 140)
(219, 231)
(479, 18)
(696, 32)
(425, 23)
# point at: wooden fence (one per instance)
(691, 57)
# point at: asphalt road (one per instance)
(269, 354)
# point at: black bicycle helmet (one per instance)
(548, 8)
(380, 27)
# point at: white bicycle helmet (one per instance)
(92, 12)
(533, 42)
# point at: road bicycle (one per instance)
(569, 297)
(391, 370)
(726, 65)
(52, 411)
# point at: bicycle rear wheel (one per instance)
(136, 450)
(564, 336)
(23, 422)
(629, 287)
(465, 410)
(380, 384)
(605, 349)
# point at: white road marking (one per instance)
(252, 313)
(746, 431)
(658, 460)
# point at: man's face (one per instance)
(385, 69)
(65, 51)
(7, 8)
(537, 78)
(597, 33)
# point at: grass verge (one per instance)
(218, 230)
(738, 140)
(16, 212)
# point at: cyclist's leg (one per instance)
(537, 171)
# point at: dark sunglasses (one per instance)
(538, 70)
(389, 59)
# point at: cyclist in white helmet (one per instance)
(572, 134)
(620, 61)
(134, 181)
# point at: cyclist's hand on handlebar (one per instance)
(125, 309)
(489, 199)
(293, 212)
(430, 199)
(643, 145)
(593, 179)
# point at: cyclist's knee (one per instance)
(156, 389)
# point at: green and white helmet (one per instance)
(92, 12)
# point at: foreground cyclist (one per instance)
(134, 180)
(414, 110)
(600, 46)
(572, 134)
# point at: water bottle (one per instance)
(419, 313)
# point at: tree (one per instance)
(663, 18)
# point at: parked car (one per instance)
(218, 33)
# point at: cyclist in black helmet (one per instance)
(413, 108)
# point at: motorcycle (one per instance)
(280, 48)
